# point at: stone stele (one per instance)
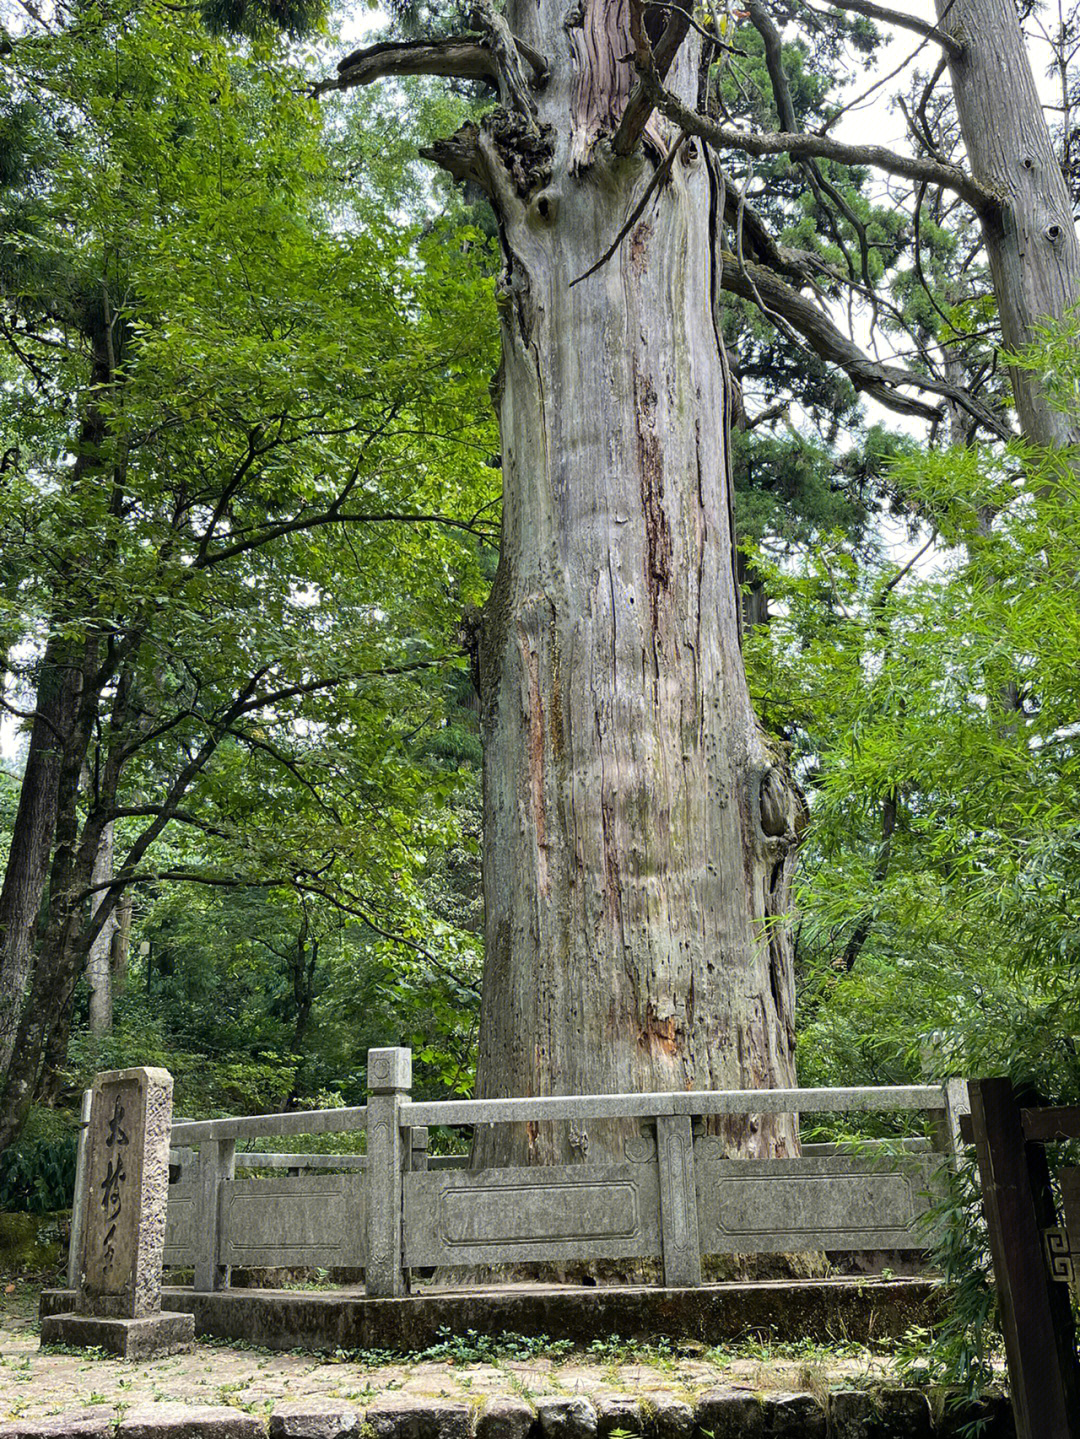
(118, 1301)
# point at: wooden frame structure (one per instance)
(1034, 1259)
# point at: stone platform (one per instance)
(822, 1310)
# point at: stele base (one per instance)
(146, 1338)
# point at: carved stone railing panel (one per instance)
(308, 1219)
(503, 1216)
(180, 1224)
(840, 1202)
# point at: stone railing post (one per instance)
(389, 1083)
(217, 1165)
(678, 1201)
(420, 1141)
(957, 1103)
(124, 1188)
(78, 1203)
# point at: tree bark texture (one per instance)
(1031, 237)
(639, 831)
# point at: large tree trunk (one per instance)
(638, 829)
(1031, 242)
(58, 745)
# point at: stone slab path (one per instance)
(37, 1384)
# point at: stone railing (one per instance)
(675, 1197)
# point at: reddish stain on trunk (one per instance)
(536, 762)
(659, 1036)
(639, 248)
(651, 467)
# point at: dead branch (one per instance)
(459, 57)
(658, 62)
(509, 70)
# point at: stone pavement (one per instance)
(226, 1392)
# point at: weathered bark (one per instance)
(1030, 236)
(638, 829)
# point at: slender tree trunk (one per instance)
(1032, 243)
(99, 960)
(58, 745)
(45, 1026)
(638, 829)
(120, 948)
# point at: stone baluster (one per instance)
(678, 1201)
(217, 1166)
(389, 1083)
(79, 1200)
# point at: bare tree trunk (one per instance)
(1031, 242)
(99, 960)
(639, 831)
(120, 948)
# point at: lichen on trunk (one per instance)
(639, 830)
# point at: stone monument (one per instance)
(124, 1201)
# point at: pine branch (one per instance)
(764, 288)
(906, 22)
(800, 146)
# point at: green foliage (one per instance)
(257, 17)
(959, 1353)
(931, 711)
(38, 1176)
(289, 510)
(472, 1347)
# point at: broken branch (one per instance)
(657, 62)
(460, 58)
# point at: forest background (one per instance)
(249, 483)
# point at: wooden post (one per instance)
(217, 1164)
(389, 1082)
(1044, 1377)
(678, 1201)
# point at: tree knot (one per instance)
(525, 149)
